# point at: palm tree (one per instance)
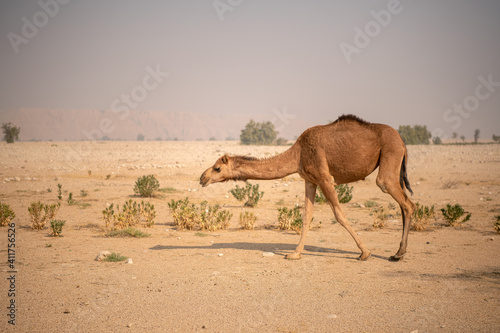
(476, 135)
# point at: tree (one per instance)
(454, 135)
(258, 133)
(476, 135)
(496, 138)
(10, 132)
(140, 137)
(415, 135)
(437, 140)
(463, 138)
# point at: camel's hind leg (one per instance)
(306, 220)
(388, 181)
(328, 189)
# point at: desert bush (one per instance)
(496, 225)
(415, 135)
(422, 216)
(108, 215)
(380, 217)
(115, 257)
(452, 214)
(319, 197)
(281, 142)
(70, 200)
(10, 132)
(344, 193)
(206, 217)
(40, 213)
(146, 185)
(247, 220)
(148, 211)
(56, 227)
(127, 232)
(59, 191)
(258, 133)
(130, 215)
(6, 214)
(290, 219)
(212, 218)
(185, 214)
(250, 193)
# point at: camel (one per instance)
(344, 151)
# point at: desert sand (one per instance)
(192, 281)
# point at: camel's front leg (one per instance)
(306, 219)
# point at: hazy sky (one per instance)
(435, 63)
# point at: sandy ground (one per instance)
(186, 281)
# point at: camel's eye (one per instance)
(217, 169)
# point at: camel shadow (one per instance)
(281, 249)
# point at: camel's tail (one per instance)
(403, 176)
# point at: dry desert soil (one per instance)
(201, 281)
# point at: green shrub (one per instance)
(452, 214)
(290, 219)
(205, 217)
(115, 257)
(127, 232)
(415, 135)
(370, 204)
(258, 133)
(185, 214)
(437, 140)
(281, 142)
(6, 214)
(380, 217)
(250, 193)
(149, 213)
(10, 132)
(70, 200)
(130, 215)
(40, 213)
(212, 218)
(319, 197)
(422, 216)
(496, 226)
(247, 220)
(56, 226)
(344, 193)
(146, 185)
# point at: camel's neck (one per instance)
(275, 167)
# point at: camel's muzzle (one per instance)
(204, 180)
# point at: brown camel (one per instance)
(344, 151)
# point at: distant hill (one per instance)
(75, 125)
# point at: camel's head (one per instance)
(219, 172)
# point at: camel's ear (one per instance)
(224, 159)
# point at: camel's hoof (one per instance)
(293, 256)
(395, 258)
(364, 256)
